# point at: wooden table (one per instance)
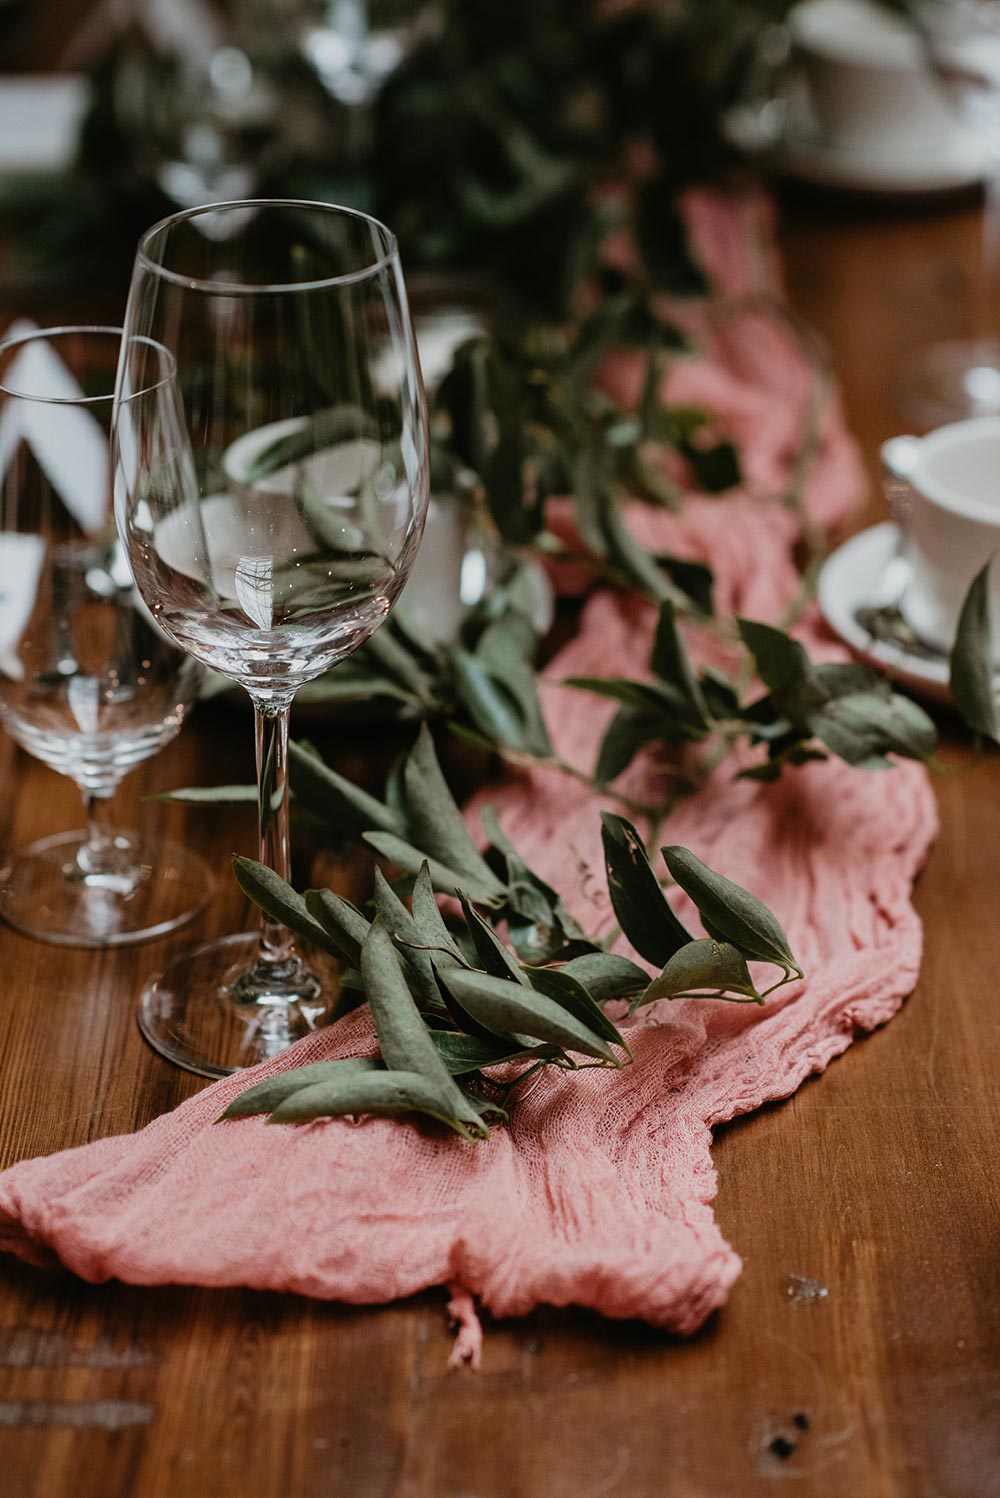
(859, 1352)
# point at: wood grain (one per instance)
(858, 1356)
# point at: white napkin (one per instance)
(21, 559)
(40, 122)
(69, 442)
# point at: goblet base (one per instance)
(48, 891)
(218, 1009)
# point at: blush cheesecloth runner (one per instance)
(599, 1191)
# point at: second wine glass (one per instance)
(271, 511)
(959, 379)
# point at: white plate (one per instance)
(853, 578)
(960, 163)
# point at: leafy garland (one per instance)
(464, 1019)
(463, 1016)
(451, 1003)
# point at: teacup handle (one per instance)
(900, 456)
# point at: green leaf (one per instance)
(209, 795)
(380, 1094)
(448, 881)
(492, 954)
(507, 1008)
(417, 963)
(357, 685)
(650, 696)
(435, 824)
(639, 903)
(971, 677)
(325, 792)
(278, 900)
(782, 663)
(719, 694)
(343, 922)
(704, 965)
(389, 647)
(490, 706)
(606, 976)
(266, 1095)
(670, 662)
(635, 561)
(428, 920)
(863, 727)
(506, 650)
(844, 678)
(467, 1053)
(539, 925)
(590, 496)
(625, 735)
(404, 1040)
(663, 243)
(694, 579)
(485, 398)
(731, 913)
(569, 993)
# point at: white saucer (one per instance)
(959, 163)
(853, 578)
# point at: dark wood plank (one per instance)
(859, 1351)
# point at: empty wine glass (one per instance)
(356, 45)
(88, 683)
(271, 512)
(958, 379)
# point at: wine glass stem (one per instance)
(988, 312)
(272, 807)
(102, 855)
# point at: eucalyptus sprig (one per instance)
(808, 710)
(523, 420)
(461, 1017)
(972, 677)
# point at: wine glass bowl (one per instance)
(271, 509)
(88, 683)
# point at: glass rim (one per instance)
(265, 288)
(67, 330)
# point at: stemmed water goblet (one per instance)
(88, 683)
(958, 379)
(271, 507)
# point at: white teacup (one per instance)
(944, 490)
(868, 80)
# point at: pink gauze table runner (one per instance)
(599, 1193)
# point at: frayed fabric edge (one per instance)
(468, 1348)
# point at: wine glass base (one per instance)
(46, 893)
(951, 382)
(209, 1012)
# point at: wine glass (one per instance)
(200, 116)
(88, 683)
(958, 379)
(356, 45)
(271, 513)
